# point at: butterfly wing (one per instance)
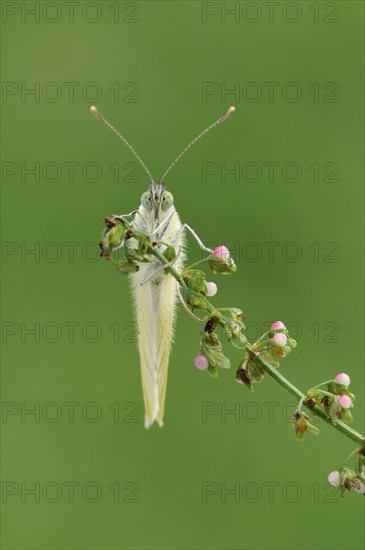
(155, 303)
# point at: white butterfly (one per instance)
(155, 294)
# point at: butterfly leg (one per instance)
(188, 228)
(185, 306)
(163, 223)
(160, 268)
(125, 215)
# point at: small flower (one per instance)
(126, 267)
(302, 425)
(211, 353)
(360, 488)
(201, 362)
(212, 289)
(351, 481)
(280, 339)
(343, 378)
(346, 479)
(110, 222)
(334, 478)
(115, 235)
(221, 262)
(278, 325)
(345, 401)
(221, 252)
(243, 377)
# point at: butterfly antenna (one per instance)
(100, 117)
(221, 119)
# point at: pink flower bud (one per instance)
(221, 252)
(334, 478)
(212, 289)
(345, 401)
(343, 379)
(280, 339)
(201, 362)
(244, 364)
(277, 325)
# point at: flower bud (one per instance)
(125, 268)
(225, 265)
(345, 401)
(360, 488)
(280, 339)
(334, 478)
(278, 325)
(243, 378)
(352, 481)
(343, 378)
(105, 249)
(110, 222)
(211, 351)
(212, 289)
(169, 253)
(346, 416)
(221, 252)
(201, 362)
(302, 425)
(115, 236)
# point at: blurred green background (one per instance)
(146, 65)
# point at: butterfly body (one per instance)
(155, 300)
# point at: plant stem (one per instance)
(322, 384)
(284, 382)
(274, 373)
(197, 263)
(161, 258)
(349, 458)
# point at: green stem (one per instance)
(197, 263)
(349, 458)
(161, 258)
(274, 373)
(284, 382)
(322, 392)
(322, 384)
(261, 339)
(299, 406)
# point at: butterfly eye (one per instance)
(167, 200)
(146, 200)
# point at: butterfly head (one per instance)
(157, 198)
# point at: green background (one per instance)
(168, 52)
